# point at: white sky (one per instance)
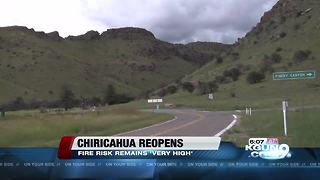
(169, 20)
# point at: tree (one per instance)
(172, 89)
(162, 92)
(110, 95)
(95, 101)
(213, 86)
(233, 73)
(203, 88)
(122, 98)
(255, 77)
(266, 66)
(188, 87)
(68, 99)
(145, 94)
(221, 79)
(207, 87)
(18, 103)
(2, 111)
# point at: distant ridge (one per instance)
(35, 65)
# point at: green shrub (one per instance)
(282, 34)
(172, 89)
(279, 49)
(255, 77)
(300, 56)
(296, 26)
(219, 60)
(275, 58)
(221, 80)
(235, 55)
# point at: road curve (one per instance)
(188, 123)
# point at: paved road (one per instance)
(188, 123)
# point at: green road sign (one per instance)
(294, 75)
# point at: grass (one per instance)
(34, 129)
(303, 128)
(264, 95)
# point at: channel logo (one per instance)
(267, 148)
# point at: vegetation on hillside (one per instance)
(67, 101)
(36, 65)
(286, 39)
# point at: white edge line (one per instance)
(205, 111)
(228, 127)
(175, 118)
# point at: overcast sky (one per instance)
(170, 20)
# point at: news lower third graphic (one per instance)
(146, 157)
(72, 147)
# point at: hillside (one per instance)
(36, 65)
(286, 39)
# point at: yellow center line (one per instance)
(200, 118)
